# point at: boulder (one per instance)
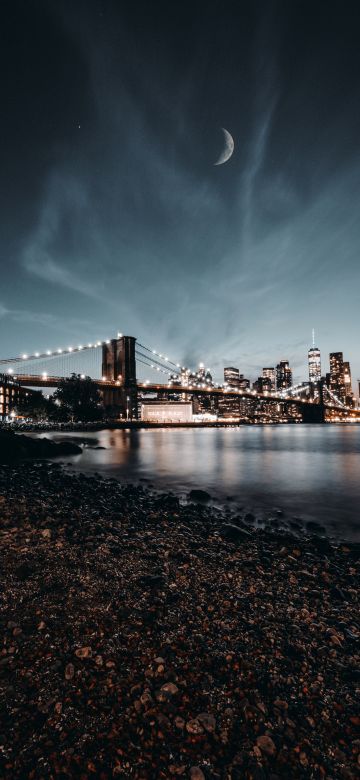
(16, 446)
(233, 533)
(200, 496)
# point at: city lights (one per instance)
(237, 397)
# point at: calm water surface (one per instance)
(311, 472)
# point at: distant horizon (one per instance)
(251, 375)
(125, 201)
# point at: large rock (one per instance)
(15, 446)
(200, 496)
(233, 533)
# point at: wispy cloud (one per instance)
(42, 318)
(45, 268)
(255, 162)
(45, 254)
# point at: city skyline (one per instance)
(278, 376)
(115, 212)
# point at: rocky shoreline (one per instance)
(147, 639)
(16, 446)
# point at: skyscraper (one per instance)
(270, 373)
(262, 384)
(314, 360)
(337, 380)
(201, 372)
(232, 376)
(283, 375)
(244, 383)
(349, 395)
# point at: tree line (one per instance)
(76, 399)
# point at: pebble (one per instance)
(266, 745)
(196, 773)
(148, 639)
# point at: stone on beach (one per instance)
(151, 640)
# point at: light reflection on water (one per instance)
(312, 472)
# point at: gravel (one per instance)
(147, 639)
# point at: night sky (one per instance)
(113, 214)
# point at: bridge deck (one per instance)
(34, 380)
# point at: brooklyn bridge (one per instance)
(112, 365)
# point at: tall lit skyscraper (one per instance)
(340, 378)
(232, 376)
(349, 395)
(337, 380)
(314, 360)
(337, 375)
(283, 375)
(270, 373)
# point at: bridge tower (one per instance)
(119, 365)
(315, 413)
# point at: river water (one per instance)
(310, 472)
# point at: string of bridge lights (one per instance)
(160, 363)
(53, 353)
(158, 354)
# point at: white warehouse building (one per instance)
(171, 412)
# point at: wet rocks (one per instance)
(233, 533)
(201, 496)
(16, 446)
(196, 773)
(152, 580)
(207, 721)
(266, 745)
(249, 518)
(166, 692)
(148, 639)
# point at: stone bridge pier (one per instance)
(119, 365)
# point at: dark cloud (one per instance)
(115, 217)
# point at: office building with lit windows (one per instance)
(229, 407)
(262, 384)
(270, 373)
(283, 375)
(314, 362)
(337, 379)
(244, 383)
(349, 395)
(166, 412)
(11, 395)
(232, 376)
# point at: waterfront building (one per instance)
(12, 394)
(270, 373)
(262, 385)
(349, 395)
(337, 378)
(229, 407)
(314, 362)
(200, 378)
(201, 372)
(283, 375)
(166, 412)
(244, 384)
(232, 376)
(183, 378)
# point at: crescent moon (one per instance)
(228, 149)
